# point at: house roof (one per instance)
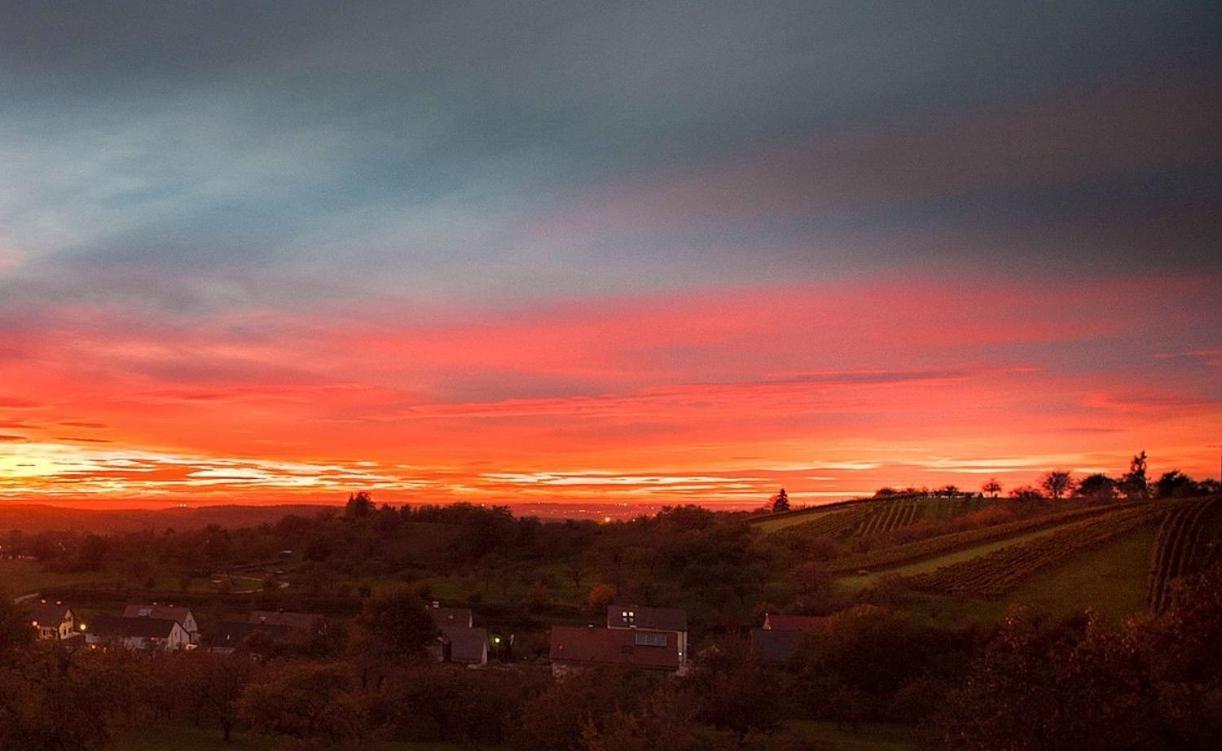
(235, 633)
(466, 644)
(609, 646)
(155, 610)
(775, 646)
(663, 619)
(124, 627)
(779, 622)
(48, 613)
(450, 617)
(300, 621)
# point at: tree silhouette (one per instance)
(1135, 484)
(1057, 483)
(1175, 484)
(780, 501)
(991, 488)
(1025, 493)
(359, 505)
(1097, 486)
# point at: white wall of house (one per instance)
(65, 629)
(178, 638)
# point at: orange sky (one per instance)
(717, 396)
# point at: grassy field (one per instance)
(191, 738)
(1111, 579)
(865, 737)
(24, 577)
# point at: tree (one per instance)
(1057, 483)
(15, 630)
(1134, 484)
(733, 691)
(92, 553)
(1175, 484)
(397, 624)
(601, 595)
(780, 501)
(991, 488)
(308, 701)
(359, 505)
(558, 717)
(213, 684)
(661, 723)
(1151, 683)
(1097, 486)
(1026, 493)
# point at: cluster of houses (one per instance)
(141, 626)
(656, 639)
(634, 636)
(158, 626)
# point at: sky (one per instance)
(629, 253)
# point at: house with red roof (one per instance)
(575, 648)
(670, 620)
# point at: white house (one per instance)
(141, 632)
(180, 614)
(53, 620)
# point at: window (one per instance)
(650, 640)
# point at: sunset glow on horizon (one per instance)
(562, 264)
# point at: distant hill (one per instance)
(41, 518)
(34, 517)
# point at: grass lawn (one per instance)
(25, 577)
(1111, 579)
(865, 737)
(191, 738)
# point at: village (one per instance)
(631, 636)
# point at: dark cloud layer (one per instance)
(183, 158)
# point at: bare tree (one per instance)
(1057, 483)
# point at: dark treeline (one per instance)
(1060, 484)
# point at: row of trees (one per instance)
(1134, 484)
(1060, 483)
